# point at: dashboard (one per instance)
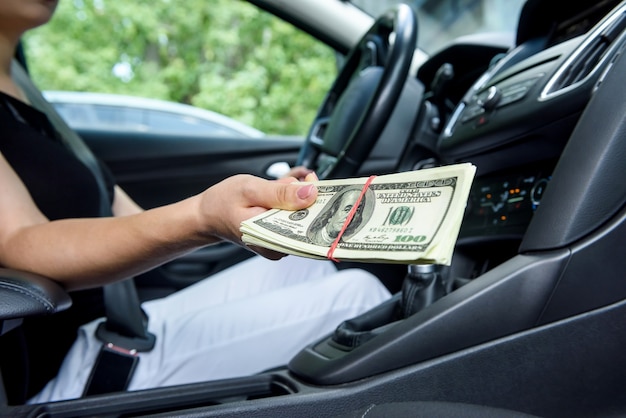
(503, 204)
(514, 121)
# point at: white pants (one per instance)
(243, 320)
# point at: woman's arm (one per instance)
(83, 253)
(125, 205)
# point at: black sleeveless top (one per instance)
(62, 187)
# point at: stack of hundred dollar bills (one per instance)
(409, 217)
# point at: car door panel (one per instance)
(160, 169)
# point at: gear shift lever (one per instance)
(422, 286)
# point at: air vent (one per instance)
(583, 66)
(589, 56)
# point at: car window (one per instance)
(225, 56)
(441, 21)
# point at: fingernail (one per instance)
(305, 191)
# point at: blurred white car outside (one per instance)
(93, 111)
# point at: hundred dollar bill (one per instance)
(409, 217)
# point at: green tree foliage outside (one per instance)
(222, 55)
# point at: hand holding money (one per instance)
(410, 217)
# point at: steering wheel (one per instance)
(362, 98)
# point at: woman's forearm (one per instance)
(89, 252)
(83, 253)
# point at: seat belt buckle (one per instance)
(112, 370)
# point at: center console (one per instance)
(513, 124)
(502, 204)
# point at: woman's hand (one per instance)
(225, 205)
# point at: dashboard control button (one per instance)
(490, 98)
(536, 193)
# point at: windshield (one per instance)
(441, 21)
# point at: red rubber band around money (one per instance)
(334, 245)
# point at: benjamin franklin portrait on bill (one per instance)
(326, 226)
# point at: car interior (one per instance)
(528, 318)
